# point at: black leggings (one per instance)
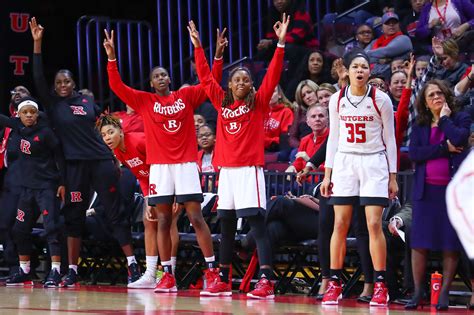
(326, 227)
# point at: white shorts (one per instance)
(168, 181)
(242, 189)
(357, 177)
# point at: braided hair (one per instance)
(107, 119)
(229, 97)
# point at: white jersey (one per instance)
(361, 125)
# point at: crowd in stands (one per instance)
(421, 84)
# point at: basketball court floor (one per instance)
(116, 300)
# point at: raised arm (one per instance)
(128, 95)
(206, 79)
(272, 77)
(42, 89)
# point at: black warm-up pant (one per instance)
(101, 176)
(32, 204)
(326, 227)
(8, 207)
(287, 220)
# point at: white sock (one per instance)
(73, 267)
(25, 266)
(173, 264)
(131, 260)
(56, 265)
(151, 262)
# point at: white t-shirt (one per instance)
(453, 19)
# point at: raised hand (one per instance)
(109, 44)
(437, 47)
(445, 111)
(221, 43)
(341, 70)
(281, 27)
(194, 34)
(36, 30)
(411, 67)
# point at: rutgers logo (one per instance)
(25, 146)
(152, 189)
(233, 127)
(20, 215)
(143, 173)
(78, 110)
(134, 162)
(172, 126)
(76, 196)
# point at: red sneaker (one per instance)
(217, 288)
(380, 297)
(211, 275)
(333, 293)
(167, 284)
(263, 290)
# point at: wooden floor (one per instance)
(118, 301)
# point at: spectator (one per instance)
(315, 66)
(421, 66)
(398, 64)
(409, 25)
(199, 121)
(448, 19)
(452, 69)
(438, 146)
(364, 34)
(397, 82)
(207, 141)
(324, 93)
(390, 45)
(305, 97)
(300, 37)
(318, 120)
(278, 121)
(378, 82)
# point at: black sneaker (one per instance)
(11, 272)
(53, 279)
(20, 279)
(133, 272)
(71, 279)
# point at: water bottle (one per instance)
(436, 280)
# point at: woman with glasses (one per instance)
(363, 36)
(438, 145)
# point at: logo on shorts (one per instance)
(20, 215)
(76, 196)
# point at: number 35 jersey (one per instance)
(361, 125)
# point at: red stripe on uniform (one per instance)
(258, 190)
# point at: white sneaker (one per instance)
(145, 282)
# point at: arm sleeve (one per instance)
(389, 133)
(467, 8)
(333, 138)
(419, 152)
(294, 140)
(8, 122)
(401, 116)
(207, 80)
(459, 133)
(271, 78)
(398, 46)
(318, 158)
(422, 29)
(131, 97)
(54, 144)
(40, 82)
(287, 121)
(197, 92)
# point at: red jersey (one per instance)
(134, 158)
(310, 145)
(168, 120)
(130, 122)
(278, 121)
(240, 134)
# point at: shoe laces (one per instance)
(263, 281)
(378, 290)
